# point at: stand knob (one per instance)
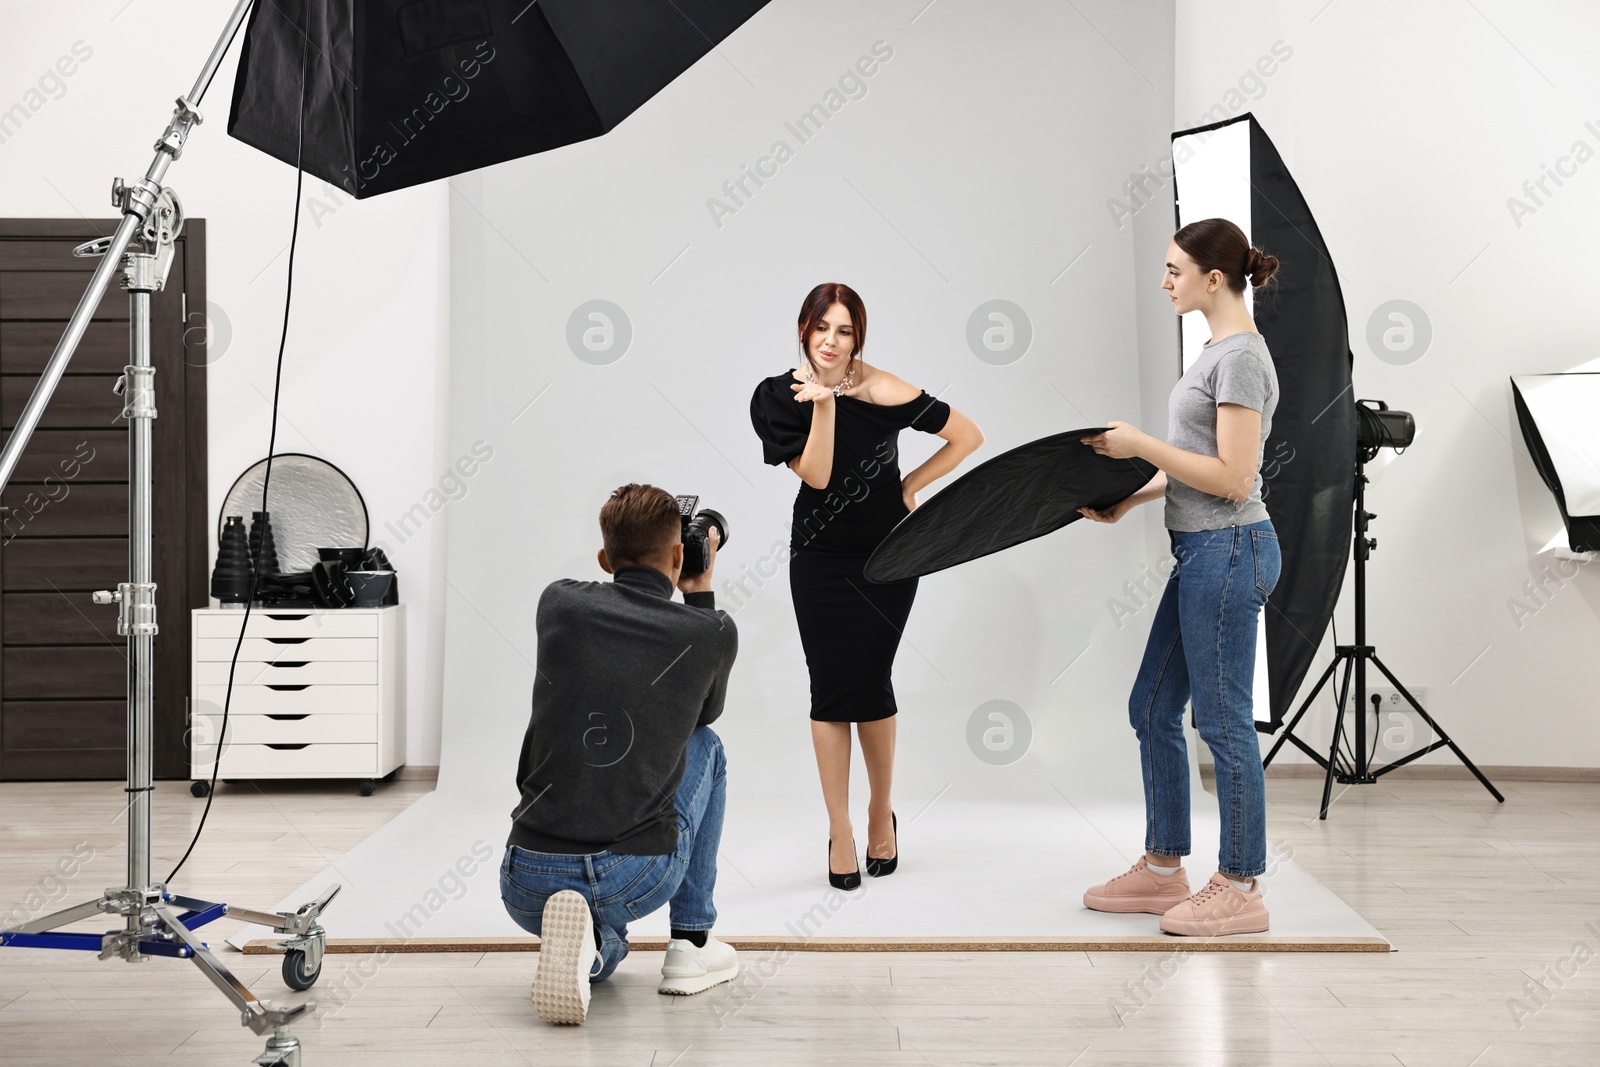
(89, 249)
(108, 596)
(1372, 542)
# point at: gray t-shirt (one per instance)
(1235, 370)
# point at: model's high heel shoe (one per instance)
(883, 868)
(849, 880)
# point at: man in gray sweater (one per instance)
(622, 778)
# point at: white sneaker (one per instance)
(567, 953)
(688, 969)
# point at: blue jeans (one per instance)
(621, 888)
(1203, 645)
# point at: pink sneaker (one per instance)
(1218, 908)
(1139, 890)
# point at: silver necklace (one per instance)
(848, 381)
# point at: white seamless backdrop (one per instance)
(929, 193)
(610, 318)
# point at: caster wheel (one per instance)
(366, 788)
(295, 973)
(199, 789)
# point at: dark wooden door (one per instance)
(65, 534)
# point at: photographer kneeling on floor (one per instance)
(622, 779)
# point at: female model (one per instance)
(1203, 638)
(835, 421)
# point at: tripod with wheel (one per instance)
(155, 921)
(1355, 767)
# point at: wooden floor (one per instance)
(1495, 911)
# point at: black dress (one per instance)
(849, 627)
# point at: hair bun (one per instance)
(1259, 267)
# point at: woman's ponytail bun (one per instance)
(1259, 267)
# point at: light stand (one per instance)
(142, 250)
(1355, 768)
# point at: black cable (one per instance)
(1334, 622)
(266, 481)
(1377, 730)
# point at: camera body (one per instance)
(696, 526)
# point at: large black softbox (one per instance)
(400, 92)
(1231, 170)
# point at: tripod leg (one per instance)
(256, 1014)
(57, 919)
(1343, 696)
(1460, 755)
(1289, 730)
(1338, 731)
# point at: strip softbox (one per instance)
(400, 92)
(1232, 170)
(1557, 415)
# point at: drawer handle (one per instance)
(287, 618)
(290, 663)
(289, 748)
(288, 640)
(288, 688)
(288, 718)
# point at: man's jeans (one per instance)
(622, 888)
(1203, 644)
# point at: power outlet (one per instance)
(1392, 700)
(1399, 729)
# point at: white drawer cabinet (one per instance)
(317, 693)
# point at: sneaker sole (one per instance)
(566, 953)
(1253, 921)
(1129, 905)
(699, 983)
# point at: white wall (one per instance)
(976, 166)
(985, 143)
(1408, 127)
(364, 383)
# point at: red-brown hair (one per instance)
(639, 522)
(815, 307)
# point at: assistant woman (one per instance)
(1203, 638)
(835, 421)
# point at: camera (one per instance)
(696, 528)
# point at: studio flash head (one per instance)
(1378, 427)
